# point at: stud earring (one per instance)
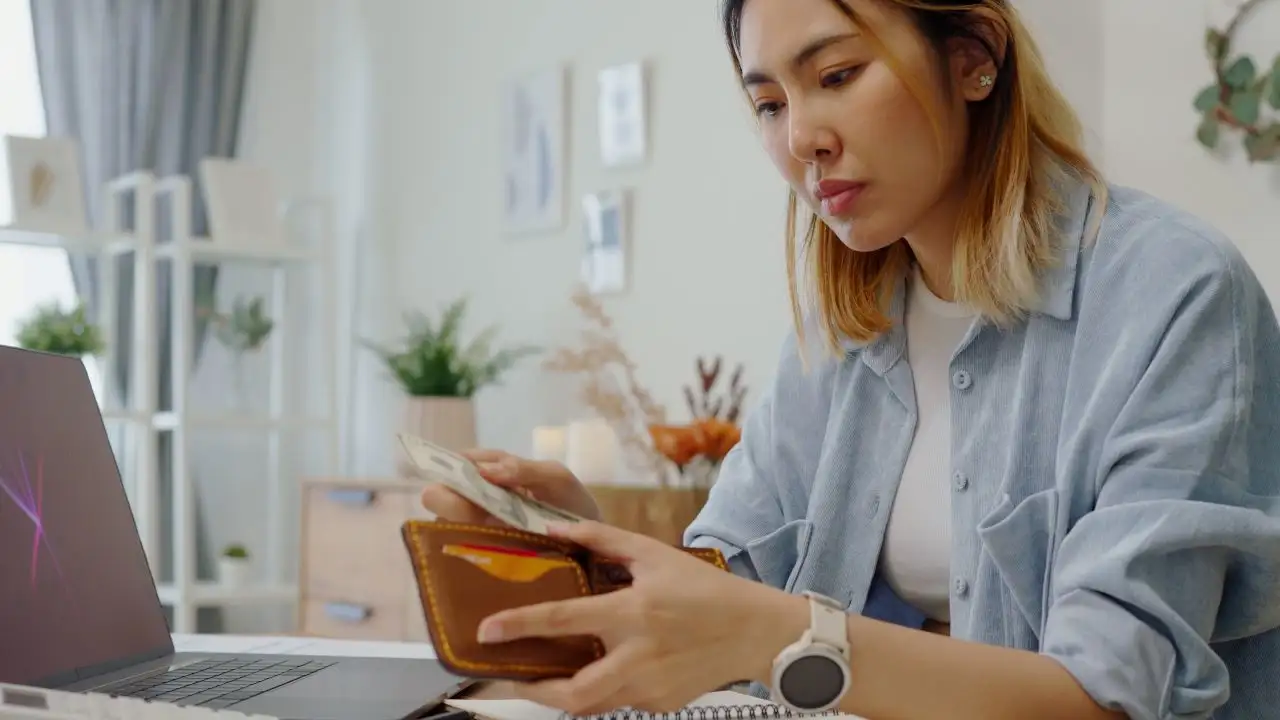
(986, 81)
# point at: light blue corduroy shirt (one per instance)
(1115, 467)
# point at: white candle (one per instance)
(549, 443)
(592, 452)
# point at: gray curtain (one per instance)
(144, 85)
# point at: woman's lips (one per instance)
(839, 196)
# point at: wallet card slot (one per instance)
(506, 564)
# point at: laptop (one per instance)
(79, 609)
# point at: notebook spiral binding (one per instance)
(716, 712)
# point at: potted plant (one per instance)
(233, 565)
(243, 330)
(440, 374)
(51, 329)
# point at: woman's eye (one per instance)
(836, 78)
(768, 108)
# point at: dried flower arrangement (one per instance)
(611, 386)
(697, 448)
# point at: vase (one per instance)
(233, 572)
(449, 422)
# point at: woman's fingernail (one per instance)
(557, 528)
(492, 469)
(489, 632)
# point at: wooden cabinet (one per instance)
(355, 577)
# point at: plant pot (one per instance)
(449, 422)
(234, 572)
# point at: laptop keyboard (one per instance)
(217, 683)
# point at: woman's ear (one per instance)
(976, 58)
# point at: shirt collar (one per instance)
(1057, 292)
(1058, 289)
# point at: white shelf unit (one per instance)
(186, 593)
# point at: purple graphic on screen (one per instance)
(29, 497)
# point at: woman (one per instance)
(1026, 411)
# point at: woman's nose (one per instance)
(811, 139)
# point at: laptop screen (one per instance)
(75, 588)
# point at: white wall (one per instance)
(1069, 36)
(708, 260)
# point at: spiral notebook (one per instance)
(720, 705)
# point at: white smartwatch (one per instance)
(812, 674)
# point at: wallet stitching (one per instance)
(432, 604)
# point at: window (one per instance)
(29, 276)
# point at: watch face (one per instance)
(811, 682)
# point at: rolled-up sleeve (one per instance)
(1182, 549)
(743, 504)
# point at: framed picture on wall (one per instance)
(606, 220)
(534, 151)
(621, 115)
(46, 189)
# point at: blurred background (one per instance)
(295, 228)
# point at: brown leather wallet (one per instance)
(466, 573)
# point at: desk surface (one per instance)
(297, 645)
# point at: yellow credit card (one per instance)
(507, 563)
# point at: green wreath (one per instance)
(1236, 98)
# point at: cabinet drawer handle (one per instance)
(347, 612)
(356, 498)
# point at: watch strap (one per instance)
(828, 623)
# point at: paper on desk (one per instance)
(273, 645)
(526, 710)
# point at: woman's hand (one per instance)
(547, 481)
(683, 628)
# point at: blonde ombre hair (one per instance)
(1023, 138)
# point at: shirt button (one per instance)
(960, 481)
(961, 587)
(961, 379)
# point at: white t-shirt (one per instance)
(916, 559)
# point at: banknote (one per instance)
(459, 474)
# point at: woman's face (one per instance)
(843, 128)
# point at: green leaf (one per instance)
(54, 330)
(1209, 131)
(434, 360)
(1247, 106)
(1275, 84)
(1241, 74)
(1265, 146)
(1208, 99)
(1215, 44)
